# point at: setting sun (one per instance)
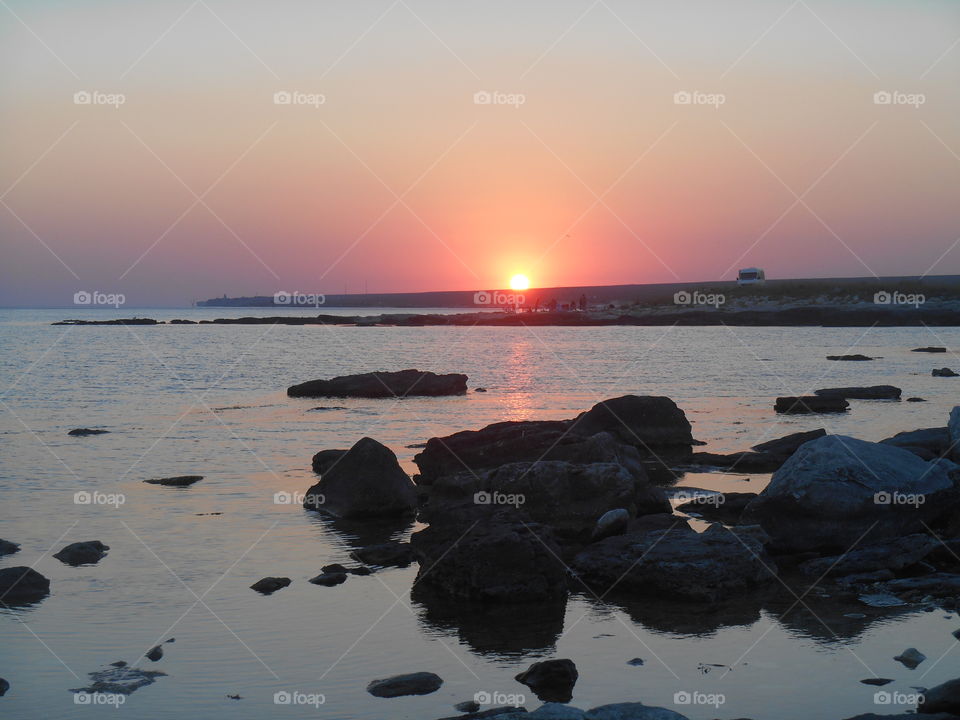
(519, 282)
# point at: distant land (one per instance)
(620, 295)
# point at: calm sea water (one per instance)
(211, 400)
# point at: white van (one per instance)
(751, 276)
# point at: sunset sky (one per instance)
(585, 168)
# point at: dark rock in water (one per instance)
(322, 408)
(930, 350)
(389, 554)
(637, 662)
(4, 686)
(837, 491)
(943, 372)
(366, 482)
(893, 554)
(551, 680)
(270, 584)
(678, 563)
(788, 444)
(942, 698)
(871, 392)
(82, 553)
(329, 579)
(854, 358)
(83, 432)
(723, 507)
(121, 681)
(612, 522)
(326, 459)
(496, 558)
(632, 711)
(911, 657)
(8, 548)
(420, 683)
(154, 653)
(651, 423)
(176, 481)
(468, 706)
(405, 383)
(119, 664)
(506, 712)
(877, 681)
(915, 399)
(810, 404)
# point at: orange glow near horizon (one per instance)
(519, 282)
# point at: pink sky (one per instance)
(399, 181)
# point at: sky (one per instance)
(174, 151)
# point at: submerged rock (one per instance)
(810, 404)
(82, 553)
(551, 680)
(269, 585)
(404, 383)
(871, 392)
(366, 482)
(419, 683)
(176, 481)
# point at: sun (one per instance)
(519, 282)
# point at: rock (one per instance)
(893, 554)
(468, 706)
(878, 681)
(953, 429)
(177, 481)
(480, 389)
(555, 711)
(930, 350)
(338, 568)
(935, 585)
(854, 358)
(943, 372)
(121, 681)
(367, 482)
(632, 711)
(871, 392)
(405, 383)
(326, 459)
(911, 657)
(942, 698)
(721, 507)
(119, 664)
(82, 553)
(653, 424)
(329, 579)
(419, 683)
(837, 490)
(637, 662)
(810, 404)
(915, 399)
(787, 445)
(494, 558)
(926, 442)
(4, 686)
(8, 548)
(154, 653)
(881, 600)
(270, 584)
(612, 522)
(678, 563)
(551, 680)
(388, 554)
(83, 432)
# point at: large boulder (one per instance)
(678, 563)
(569, 498)
(366, 482)
(22, 584)
(492, 556)
(837, 490)
(405, 383)
(942, 698)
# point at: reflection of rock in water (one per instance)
(489, 629)
(357, 534)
